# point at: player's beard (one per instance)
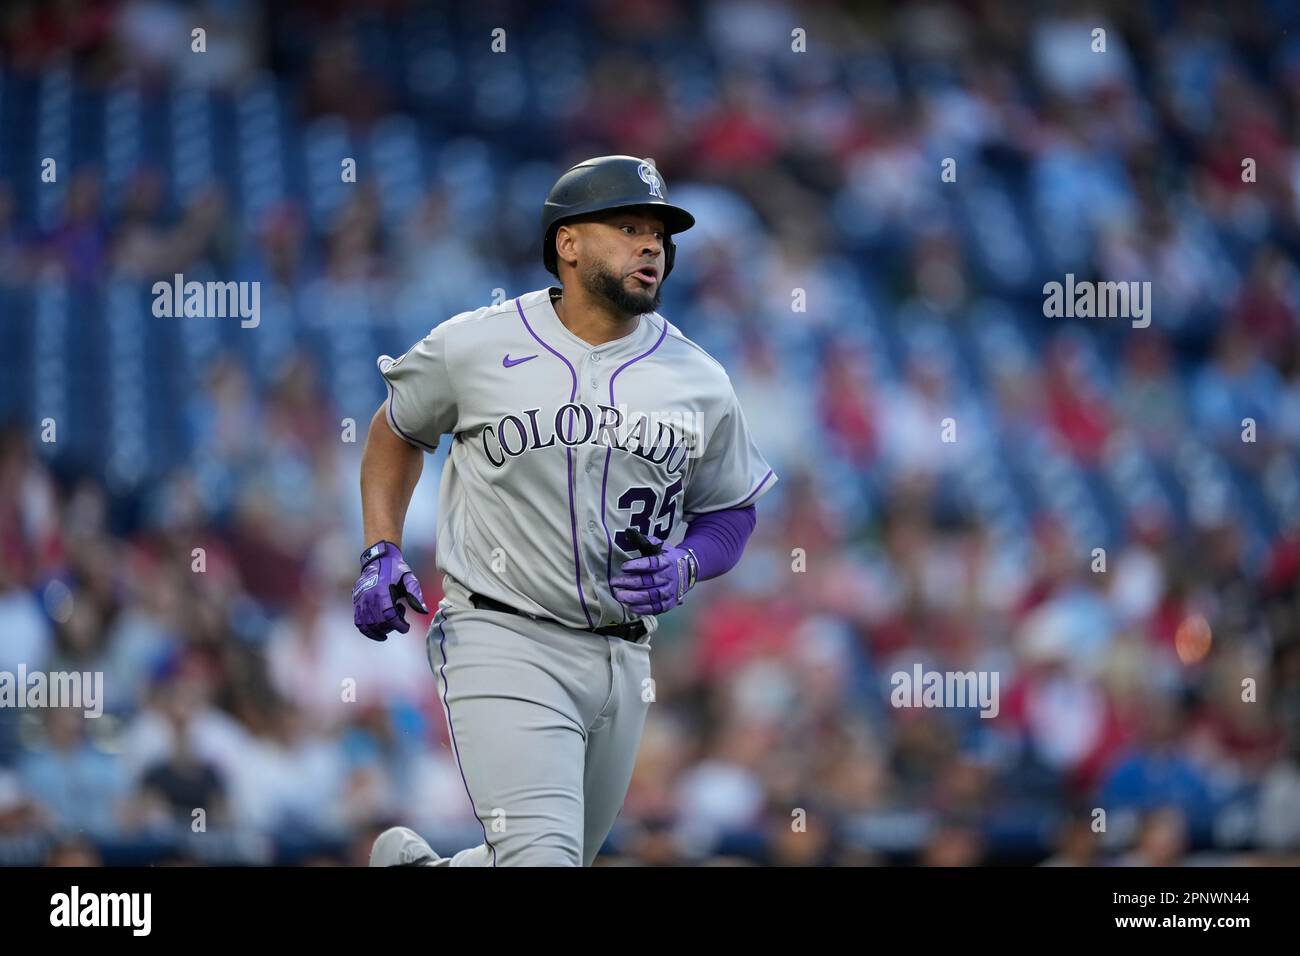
(601, 282)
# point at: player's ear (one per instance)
(567, 243)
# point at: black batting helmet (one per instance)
(610, 182)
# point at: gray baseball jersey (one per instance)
(558, 447)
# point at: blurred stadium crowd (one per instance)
(882, 547)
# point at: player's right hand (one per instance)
(385, 579)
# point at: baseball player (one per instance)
(586, 433)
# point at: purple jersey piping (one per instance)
(756, 490)
(398, 428)
(568, 455)
(609, 541)
(743, 501)
(451, 729)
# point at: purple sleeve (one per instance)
(718, 538)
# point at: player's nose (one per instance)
(651, 248)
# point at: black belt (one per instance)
(629, 632)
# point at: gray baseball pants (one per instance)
(545, 722)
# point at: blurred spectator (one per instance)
(76, 853)
(1162, 839)
(954, 843)
(1156, 773)
(78, 244)
(78, 786)
(1076, 844)
(180, 786)
(1238, 384)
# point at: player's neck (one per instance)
(590, 319)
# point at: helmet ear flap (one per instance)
(670, 254)
(549, 258)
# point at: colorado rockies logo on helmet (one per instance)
(650, 176)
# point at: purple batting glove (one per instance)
(385, 579)
(658, 582)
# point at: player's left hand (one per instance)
(657, 583)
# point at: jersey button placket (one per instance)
(594, 504)
(595, 389)
(591, 449)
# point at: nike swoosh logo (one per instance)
(508, 362)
